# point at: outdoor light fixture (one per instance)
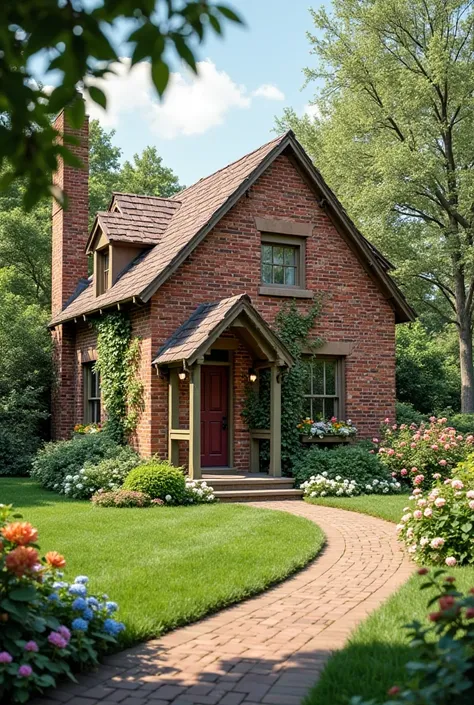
(252, 375)
(182, 375)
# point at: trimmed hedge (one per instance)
(350, 462)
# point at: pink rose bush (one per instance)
(48, 627)
(415, 454)
(438, 524)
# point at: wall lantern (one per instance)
(252, 375)
(182, 375)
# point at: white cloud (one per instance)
(191, 105)
(269, 91)
(312, 111)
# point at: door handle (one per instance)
(224, 423)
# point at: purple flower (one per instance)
(25, 671)
(57, 640)
(31, 646)
(5, 657)
(64, 631)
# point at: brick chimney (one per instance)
(70, 226)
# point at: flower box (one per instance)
(327, 439)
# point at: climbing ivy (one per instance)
(118, 360)
(293, 328)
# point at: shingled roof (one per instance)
(197, 210)
(194, 337)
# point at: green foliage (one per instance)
(427, 372)
(393, 138)
(148, 176)
(464, 423)
(57, 460)
(77, 46)
(350, 462)
(25, 374)
(118, 364)
(121, 498)
(293, 328)
(104, 168)
(159, 480)
(405, 413)
(107, 474)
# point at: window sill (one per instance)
(294, 293)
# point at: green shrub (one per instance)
(464, 423)
(407, 414)
(108, 474)
(56, 460)
(159, 480)
(123, 498)
(21, 416)
(350, 462)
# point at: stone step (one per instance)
(251, 483)
(261, 495)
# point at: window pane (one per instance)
(318, 408)
(278, 275)
(267, 273)
(330, 377)
(289, 255)
(278, 255)
(329, 408)
(318, 377)
(266, 253)
(290, 276)
(306, 369)
(307, 407)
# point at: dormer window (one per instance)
(102, 270)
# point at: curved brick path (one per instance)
(271, 648)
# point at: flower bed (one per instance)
(427, 449)
(438, 524)
(49, 627)
(324, 429)
(324, 486)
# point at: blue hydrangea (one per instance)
(88, 614)
(111, 607)
(59, 584)
(79, 625)
(93, 601)
(79, 604)
(81, 579)
(53, 597)
(112, 627)
(78, 589)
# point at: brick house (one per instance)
(202, 276)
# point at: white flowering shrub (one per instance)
(199, 492)
(323, 486)
(107, 475)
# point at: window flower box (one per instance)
(332, 431)
(327, 439)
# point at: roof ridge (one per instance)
(144, 195)
(276, 140)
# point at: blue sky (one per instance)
(247, 78)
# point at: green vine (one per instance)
(293, 328)
(118, 363)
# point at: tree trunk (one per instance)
(467, 372)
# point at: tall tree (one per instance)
(104, 167)
(394, 138)
(147, 175)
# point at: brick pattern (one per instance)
(268, 650)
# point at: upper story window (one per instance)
(91, 394)
(280, 264)
(102, 270)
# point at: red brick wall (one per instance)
(227, 262)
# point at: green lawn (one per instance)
(374, 657)
(166, 566)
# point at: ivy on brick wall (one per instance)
(293, 328)
(118, 354)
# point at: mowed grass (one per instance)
(167, 566)
(374, 657)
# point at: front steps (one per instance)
(248, 488)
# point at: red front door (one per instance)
(214, 416)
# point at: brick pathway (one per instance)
(269, 649)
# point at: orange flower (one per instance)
(22, 560)
(20, 532)
(55, 559)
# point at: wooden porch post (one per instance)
(173, 416)
(194, 463)
(275, 421)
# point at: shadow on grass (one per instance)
(26, 492)
(168, 670)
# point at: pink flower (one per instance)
(412, 445)
(390, 451)
(447, 446)
(469, 439)
(459, 438)
(470, 494)
(394, 474)
(57, 640)
(433, 419)
(394, 427)
(64, 631)
(440, 502)
(434, 446)
(5, 657)
(419, 479)
(414, 469)
(428, 512)
(31, 646)
(403, 471)
(422, 502)
(457, 485)
(438, 542)
(443, 462)
(417, 492)
(471, 504)
(387, 420)
(450, 561)
(25, 671)
(436, 476)
(375, 440)
(417, 514)
(372, 452)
